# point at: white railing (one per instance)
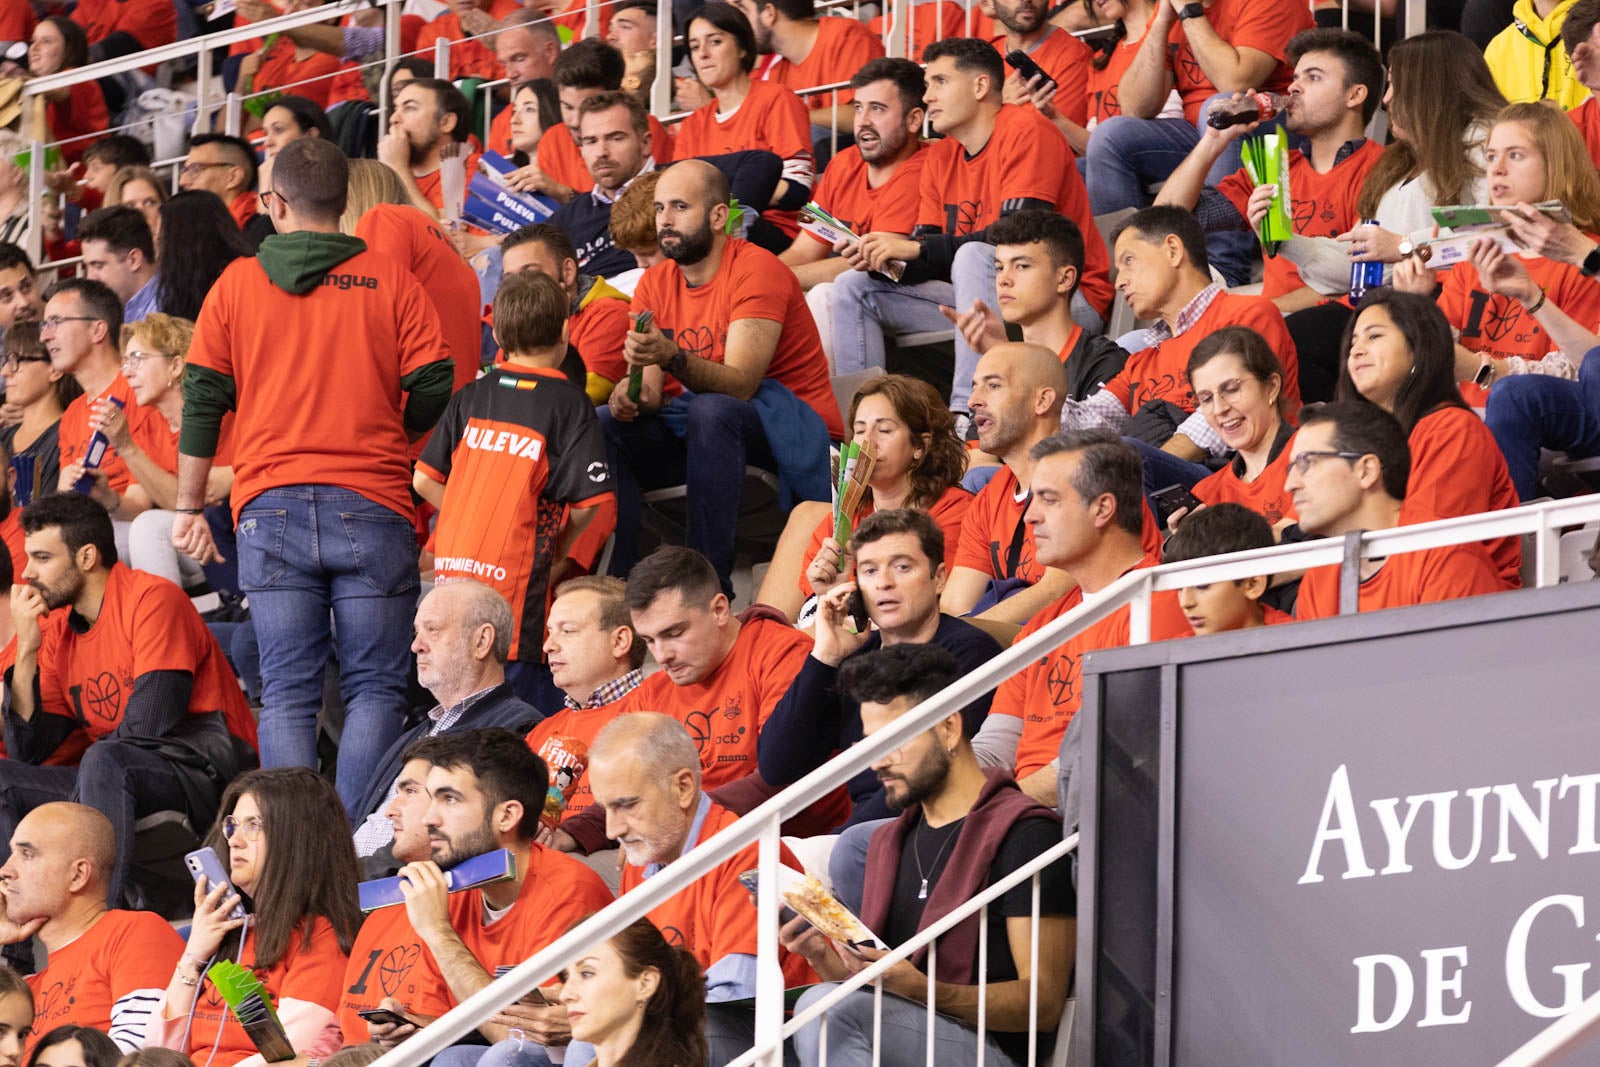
(1545, 521)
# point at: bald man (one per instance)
(731, 328)
(462, 636)
(1017, 393)
(106, 968)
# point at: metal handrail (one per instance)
(1545, 519)
(1561, 1038)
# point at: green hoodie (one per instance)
(297, 262)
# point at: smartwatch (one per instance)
(1591, 263)
(1191, 11)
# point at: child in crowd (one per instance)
(1220, 606)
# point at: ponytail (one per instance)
(673, 1031)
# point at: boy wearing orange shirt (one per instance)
(1220, 606)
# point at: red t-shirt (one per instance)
(11, 530)
(147, 426)
(990, 528)
(1587, 117)
(123, 953)
(244, 208)
(771, 118)
(750, 283)
(1412, 578)
(949, 511)
(312, 973)
(431, 184)
(388, 959)
(370, 313)
(81, 114)
(1264, 25)
(562, 740)
(469, 57)
(1103, 86)
(598, 331)
(1025, 158)
(414, 241)
(843, 192)
(559, 157)
(930, 22)
(557, 893)
(146, 623)
(16, 22)
(1158, 373)
(1266, 496)
(1458, 469)
(151, 22)
(843, 46)
(712, 916)
(1321, 205)
(1066, 60)
(280, 67)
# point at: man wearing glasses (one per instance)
(226, 166)
(1348, 472)
(129, 670)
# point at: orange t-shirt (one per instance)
(930, 22)
(559, 157)
(1411, 578)
(1047, 694)
(388, 959)
(513, 450)
(1065, 60)
(151, 22)
(892, 207)
(312, 973)
(147, 425)
(146, 623)
(123, 953)
(1321, 205)
(16, 22)
(11, 530)
(713, 916)
(371, 314)
(1264, 25)
(1159, 372)
(598, 331)
(843, 46)
(1266, 496)
(1500, 326)
(431, 184)
(280, 68)
(949, 511)
(771, 118)
(1458, 469)
(244, 208)
(469, 57)
(1104, 85)
(414, 241)
(82, 113)
(990, 527)
(1025, 158)
(562, 740)
(557, 893)
(750, 283)
(1587, 118)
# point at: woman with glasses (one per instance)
(1399, 354)
(1238, 387)
(43, 393)
(284, 840)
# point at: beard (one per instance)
(447, 852)
(885, 145)
(686, 248)
(62, 594)
(920, 783)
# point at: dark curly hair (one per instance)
(929, 420)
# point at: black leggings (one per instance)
(1318, 333)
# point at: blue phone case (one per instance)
(496, 866)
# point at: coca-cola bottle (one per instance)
(1252, 107)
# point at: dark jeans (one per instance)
(122, 781)
(722, 436)
(1162, 469)
(1528, 412)
(327, 569)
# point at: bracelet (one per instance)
(189, 511)
(1533, 308)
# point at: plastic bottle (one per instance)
(94, 455)
(1253, 107)
(1364, 276)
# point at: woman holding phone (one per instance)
(284, 841)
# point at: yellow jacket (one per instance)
(1530, 63)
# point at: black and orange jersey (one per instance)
(513, 450)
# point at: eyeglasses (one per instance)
(251, 827)
(1302, 461)
(191, 169)
(134, 357)
(54, 321)
(265, 195)
(1228, 391)
(12, 361)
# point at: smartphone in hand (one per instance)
(203, 863)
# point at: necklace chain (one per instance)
(916, 854)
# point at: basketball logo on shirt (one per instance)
(698, 723)
(1302, 213)
(395, 966)
(1062, 679)
(962, 218)
(674, 937)
(1185, 68)
(100, 696)
(698, 341)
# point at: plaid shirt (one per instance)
(608, 693)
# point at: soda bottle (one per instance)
(1364, 276)
(93, 456)
(1253, 107)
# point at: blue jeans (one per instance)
(847, 863)
(903, 1039)
(328, 570)
(723, 435)
(1127, 154)
(1528, 412)
(1162, 469)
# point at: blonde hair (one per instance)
(124, 175)
(371, 184)
(1570, 175)
(633, 216)
(167, 334)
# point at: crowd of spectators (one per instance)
(334, 524)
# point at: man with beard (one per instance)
(732, 359)
(1017, 394)
(874, 184)
(131, 664)
(644, 770)
(1063, 57)
(962, 829)
(428, 115)
(486, 790)
(617, 143)
(802, 51)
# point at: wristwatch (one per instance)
(1591, 263)
(675, 365)
(1191, 11)
(1406, 247)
